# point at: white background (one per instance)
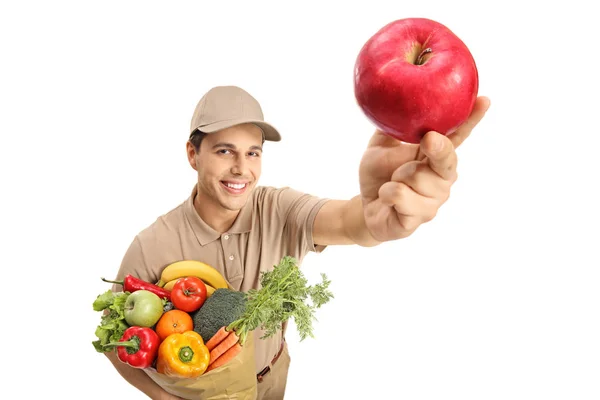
(497, 298)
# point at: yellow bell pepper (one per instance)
(182, 355)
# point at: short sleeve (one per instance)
(133, 263)
(300, 211)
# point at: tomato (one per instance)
(188, 293)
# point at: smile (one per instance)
(234, 188)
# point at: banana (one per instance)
(183, 268)
(209, 289)
(169, 285)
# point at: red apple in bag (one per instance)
(413, 76)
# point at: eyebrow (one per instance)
(233, 147)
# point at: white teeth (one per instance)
(236, 185)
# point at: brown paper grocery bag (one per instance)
(235, 380)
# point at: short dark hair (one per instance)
(196, 138)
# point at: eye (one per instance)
(254, 154)
(224, 151)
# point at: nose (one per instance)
(239, 166)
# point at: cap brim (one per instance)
(269, 130)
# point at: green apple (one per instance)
(143, 308)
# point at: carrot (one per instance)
(217, 338)
(226, 357)
(231, 339)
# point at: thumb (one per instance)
(440, 154)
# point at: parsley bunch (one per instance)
(284, 293)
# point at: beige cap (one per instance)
(225, 106)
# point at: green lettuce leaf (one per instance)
(112, 323)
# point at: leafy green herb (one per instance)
(283, 294)
(112, 324)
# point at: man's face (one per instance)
(229, 166)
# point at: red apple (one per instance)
(413, 76)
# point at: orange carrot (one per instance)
(217, 338)
(231, 339)
(226, 357)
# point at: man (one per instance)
(241, 228)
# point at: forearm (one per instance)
(139, 379)
(354, 223)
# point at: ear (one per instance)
(191, 154)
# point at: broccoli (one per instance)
(220, 309)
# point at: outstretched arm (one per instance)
(342, 222)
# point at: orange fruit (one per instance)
(173, 321)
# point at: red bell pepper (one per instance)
(137, 347)
(131, 284)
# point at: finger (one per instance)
(406, 201)
(403, 172)
(381, 139)
(440, 153)
(482, 104)
(423, 180)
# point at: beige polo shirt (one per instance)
(275, 222)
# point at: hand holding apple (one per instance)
(414, 76)
(403, 185)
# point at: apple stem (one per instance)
(420, 60)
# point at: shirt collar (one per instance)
(206, 234)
